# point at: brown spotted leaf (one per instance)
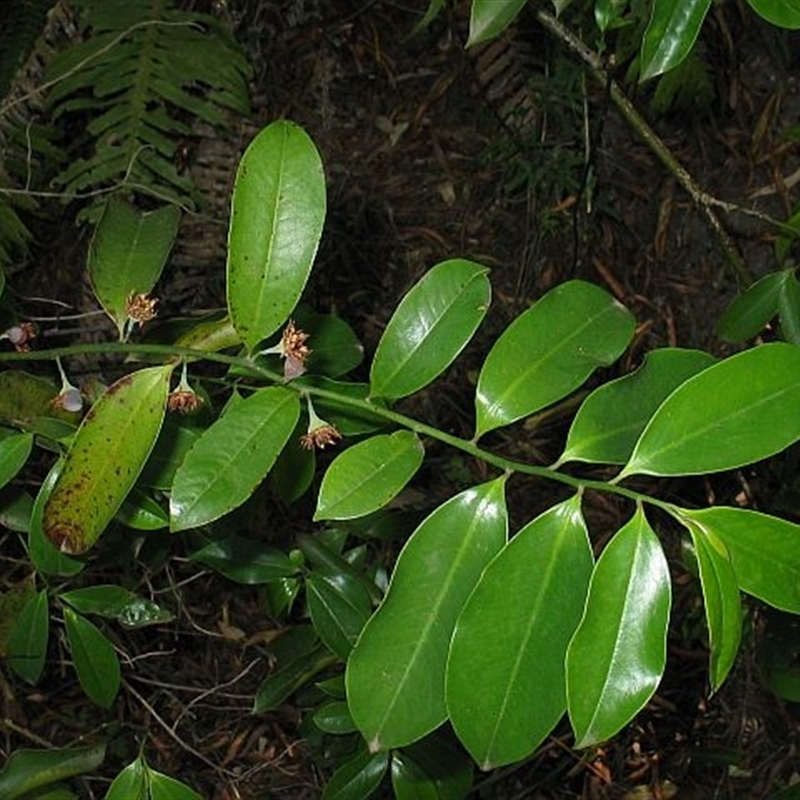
(105, 458)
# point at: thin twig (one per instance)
(704, 201)
(185, 745)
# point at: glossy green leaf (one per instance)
(431, 769)
(724, 417)
(671, 34)
(94, 658)
(505, 673)
(128, 252)
(609, 14)
(396, 673)
(430, 327)
(368, 475)
(27, 640)
(16, 508)
(141, 513)
(721, 598)
(784, 13)
(245, 561)
(105, 458)
(28, 770)
(277, 213)
(617, 656)
(104, 600)
(141, 612)
(340, 607)
(750, 312)
(232, 457)
(178, 435)
(162, 787)
(549, 351)
(130, 784)
(294, 469)
(14, 452)
(612, 418)
(489, 18)
(335, 348)
(763, 549)
(45, 557)
(334, 718)
(210, 335)
(789, 309)
(289, 677)
(358, 778)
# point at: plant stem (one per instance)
(247, 365)
(702, 199)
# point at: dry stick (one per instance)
(702, 199)
(168, 728)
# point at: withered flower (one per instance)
(141, 308)
(320, 433)
(320, 438)
(20, 336)
(184, 399)
(292, 347)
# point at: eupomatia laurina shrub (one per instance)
(500, 633)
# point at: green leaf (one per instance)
(750, 312)
(232, 457)
(340, 607)
(104, 600)
(368, 475)
(277, 213)
(763, 550)
(434, 9)
(396, 673)
(27, 640)
(430, 327)
(511, 639)
(489, 18)
(789, 309)
(617, 656)
(609, 14)
(334, 718)
(288, 678)
(178, 434)
(16, 508)
(14, 452)
(358, 778)
(128, 252)
(294, 469)
(28, 770)
(671, 34)
(45, 557)
(94, 658)
(721, 598)
(141, 512)
(141, 612)
(245, 561)
(612, 418)
(783, 13)
(724, 417)
(105, 458)
(549, 351)
(130, 784)
(335, 348)
(432, 769)
(162, 787)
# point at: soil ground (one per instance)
(426, 161)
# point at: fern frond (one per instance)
(147, 70)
